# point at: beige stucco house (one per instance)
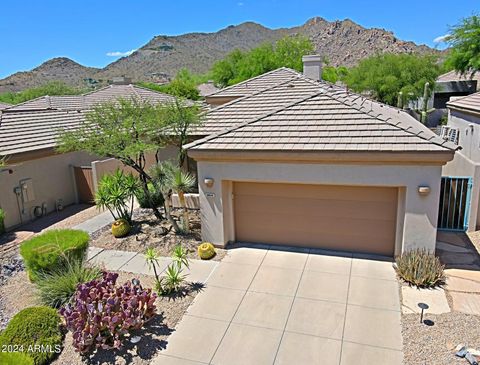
(39, 180)
(301, 162)
(463, 128)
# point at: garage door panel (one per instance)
(328, 192)
(336, 217)
(315, 208)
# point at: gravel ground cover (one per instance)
(435, 345)
(147, 232)
(18, 293)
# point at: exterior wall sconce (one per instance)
(208, 181)
(424, 190)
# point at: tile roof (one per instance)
(4, 105)
(322, 118)
(258, 83)
(33, 125)
(470, 102)
(86, 101)
(23, 131)
(456, 76)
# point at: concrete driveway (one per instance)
(264, 305)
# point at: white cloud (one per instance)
(120, 54)
(441, 38)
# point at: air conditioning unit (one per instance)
(449, 134)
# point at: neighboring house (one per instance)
(292, 160)
(38, 180)
(463, 128)
(453, 84)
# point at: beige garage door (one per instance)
(361, 219)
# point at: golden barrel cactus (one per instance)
(206, 251)
(120, 228)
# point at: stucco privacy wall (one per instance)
(52, 179)
(417, 214)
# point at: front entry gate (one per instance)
(454, 203)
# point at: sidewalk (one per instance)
(134, 262)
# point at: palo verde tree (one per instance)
(126, 130)
(464, 39)
(385, 75)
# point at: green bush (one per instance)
(15, 358)
(2, 221)
(57, 287)
(156, 196)
(36, 332)
(47, 251)
(421, 268)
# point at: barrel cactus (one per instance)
(120, 228)
(206, 251)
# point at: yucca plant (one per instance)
(172, 280)
(420, 268)
(152, 257)
(180, 258)
(116, 192)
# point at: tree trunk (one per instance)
(186, 221)
(168, 215)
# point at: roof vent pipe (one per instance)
(312, 67)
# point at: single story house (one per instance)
(37, 179)
(463, 129)
(297, 161)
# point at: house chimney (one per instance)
(312, 67)
(121, 80)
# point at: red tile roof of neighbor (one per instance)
(307, 115)
(468, 103)
(33, 125)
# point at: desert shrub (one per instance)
(49, 250)
(36, 332)
(206, 251)
(2, 221)
(15, 358)
(155, 194)
(101, 313)
(421, 268)
(120, 228)
(57, 287)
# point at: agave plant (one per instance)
(420, 268)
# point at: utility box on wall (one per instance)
(28, 194)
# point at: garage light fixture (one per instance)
(208, 181)
(424, 190)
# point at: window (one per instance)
(449, 134)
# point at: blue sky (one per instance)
(86, 31)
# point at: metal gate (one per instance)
(454, 203)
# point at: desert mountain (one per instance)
(342, 42)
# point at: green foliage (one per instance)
(173, 279)
(179, 257)
(155, 194)
(238, 66)
(35, 326)
(120, 228)
(181, 182)
(334, 74)
(464, 40)
(2, 221)
(57, 287)
(48, 251)
(421, 268)
(183, 85)
(206, 251)
(116, 192)
(385, 75)
(15, 358)
(51, 89)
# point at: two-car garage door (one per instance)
(361, 219)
